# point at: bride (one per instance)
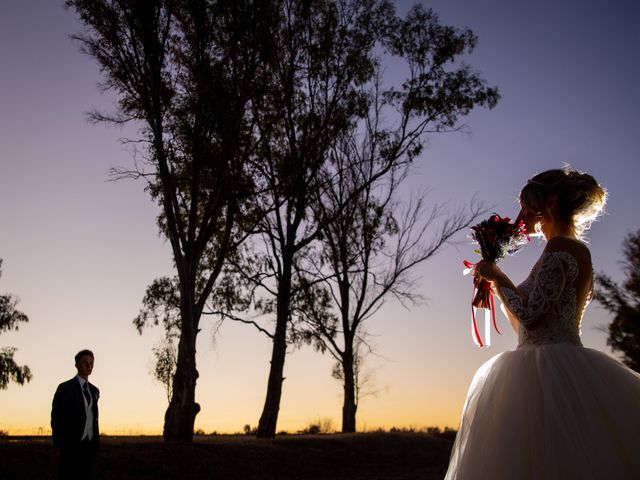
(551, 409)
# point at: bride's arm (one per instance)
(513, 320)
(498, 279)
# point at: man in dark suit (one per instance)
(74, 421)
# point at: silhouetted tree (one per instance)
(185, 72)
(624, 303)
(325, 83)
(372, 245)
(164, 366)
(364, 377)
(324, 52)
(9, 319)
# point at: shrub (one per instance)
(320, 426)
(409, 429)
(250, 431)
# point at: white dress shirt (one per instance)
(88, 406)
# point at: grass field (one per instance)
(388, 456)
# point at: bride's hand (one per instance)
(486, 270)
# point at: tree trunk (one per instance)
(349, 405)
(269, 417)
(181, 413)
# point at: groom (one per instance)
(74, 421)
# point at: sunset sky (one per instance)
(79, 250)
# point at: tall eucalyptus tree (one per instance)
(185, 72)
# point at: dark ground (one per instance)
(388, 456)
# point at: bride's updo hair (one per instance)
(578, 196)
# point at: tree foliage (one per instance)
(165, 363)
(241, 105)
(623, 301)
(329, 101)
(10, 371)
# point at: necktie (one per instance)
(87, 395)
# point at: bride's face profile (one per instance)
(547, 223)
(532, 221)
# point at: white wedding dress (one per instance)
(551, 409)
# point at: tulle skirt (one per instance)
(545, 412)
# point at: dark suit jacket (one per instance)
(68, 416)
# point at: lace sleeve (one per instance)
(535, 297)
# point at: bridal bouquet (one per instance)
(496, 238)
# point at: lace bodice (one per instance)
(546, 303)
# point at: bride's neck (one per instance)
(555, 229)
